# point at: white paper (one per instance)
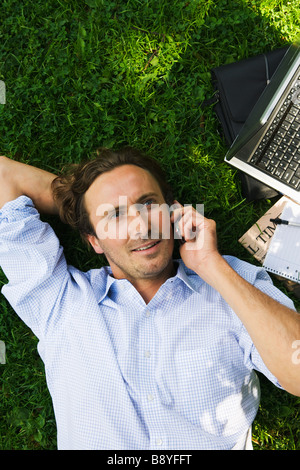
(283, 256)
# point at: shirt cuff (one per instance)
(16, 209)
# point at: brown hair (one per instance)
(69, 188)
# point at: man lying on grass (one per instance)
(147, 352)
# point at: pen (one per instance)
(284, 222)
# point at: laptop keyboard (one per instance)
(278, 152)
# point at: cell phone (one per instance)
(177, 233)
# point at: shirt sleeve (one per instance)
(260, 279)
(33, 262)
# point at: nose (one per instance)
(138, 226)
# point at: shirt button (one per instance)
(148, 313)
(147, 353)
(159, 442)
(150, 397)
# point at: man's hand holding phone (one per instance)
(199, 248)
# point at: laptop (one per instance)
(268, 145)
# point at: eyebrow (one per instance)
(146, 196)
(139, 201)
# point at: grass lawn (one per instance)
(86, 73)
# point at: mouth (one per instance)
(147, 247)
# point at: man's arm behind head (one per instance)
(19, 179)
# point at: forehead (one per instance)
(126, 180)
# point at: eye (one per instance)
(116, 214)
(148, 202)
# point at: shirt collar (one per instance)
(102, 292)
(190, 279)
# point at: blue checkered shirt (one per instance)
(176, 373)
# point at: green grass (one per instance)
(80, 74)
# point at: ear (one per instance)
(94, 242)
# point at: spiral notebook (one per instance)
(283, 255)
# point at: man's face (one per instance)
(134, 233)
